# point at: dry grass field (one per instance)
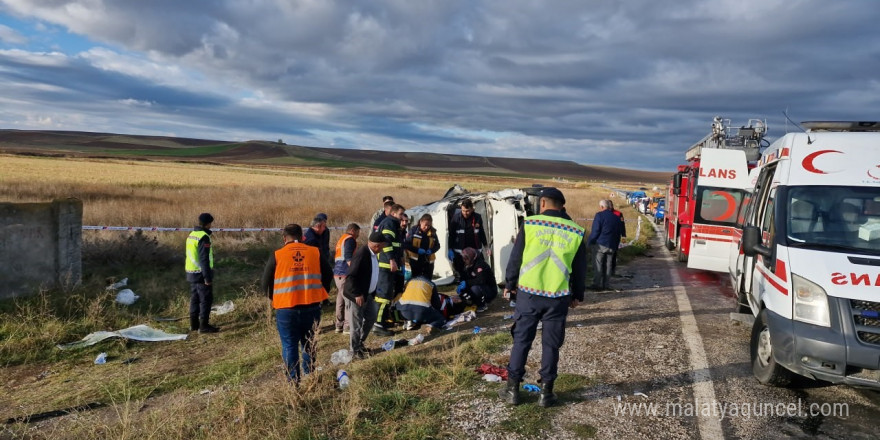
(228, 385)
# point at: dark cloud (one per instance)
(612, 83)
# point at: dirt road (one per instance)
(666, 360)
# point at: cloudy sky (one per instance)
(628, 83)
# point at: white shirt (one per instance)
(374, 273)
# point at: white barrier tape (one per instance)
(159, 229)
(589, 220)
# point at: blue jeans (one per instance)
(296, 327)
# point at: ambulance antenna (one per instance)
(809, 141)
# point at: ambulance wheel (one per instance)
(670, 244)
(764, 366)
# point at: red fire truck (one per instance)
(705, 194)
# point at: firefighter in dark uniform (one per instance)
(200, 274)
(390, 262)
(547, 269)
(466, 230)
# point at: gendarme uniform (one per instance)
(199, 270)
(548, 268)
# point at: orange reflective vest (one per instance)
(297, 276)
(340, 246)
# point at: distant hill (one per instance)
(86, 144)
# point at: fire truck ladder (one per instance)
(747, 138)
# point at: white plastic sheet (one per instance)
(126, 297)
(136, 333)
(223, 309)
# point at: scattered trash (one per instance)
(531, 388)
(343, 379)
(43, 375)
(137, 333)
(130, 360)
(637, 393)
(513, 304)
(510, 316)
(470, 315)
(656, 286)
(340, 357)
(618, 397)
(661, 346)
(492, 369)
(126, 297)
(477, 329)
(205, 392)
(392, 344)
(492, 378)
(223, 309)
(580, 324)
(417, 340)
(101, 359)
(118, 285)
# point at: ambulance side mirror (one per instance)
(676, 184)
(751, 243)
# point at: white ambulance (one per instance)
(809, 266)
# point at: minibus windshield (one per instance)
(834, 218)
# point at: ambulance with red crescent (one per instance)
(808, 264)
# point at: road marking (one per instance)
(704, 389)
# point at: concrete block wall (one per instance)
(40, 246)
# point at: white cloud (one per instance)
(11, 36)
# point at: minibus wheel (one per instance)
(764, 366)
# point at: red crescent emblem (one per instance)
(808, 161)
(871, 175)
(731, 205)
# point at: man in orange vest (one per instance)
(292, 279)
(345, 248)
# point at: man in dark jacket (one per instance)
(547, 269)
(200, 274)
(319, 236)
(619, 215)
(605, 233)
(466, 229)
(478, 286)
(387, 203)
(360, 292)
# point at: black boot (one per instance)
(193, 323)
(510, 394)
(547, 397)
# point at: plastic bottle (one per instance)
(101, 359)
(388, 346)
(342, 378)
(477, 329)
(417, 340)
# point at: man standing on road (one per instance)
(619, 215)
(547, 269)
(360, 292)
(606, 233)
(200, 274)
(292, 279)
(345, 248)
(465, 230)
